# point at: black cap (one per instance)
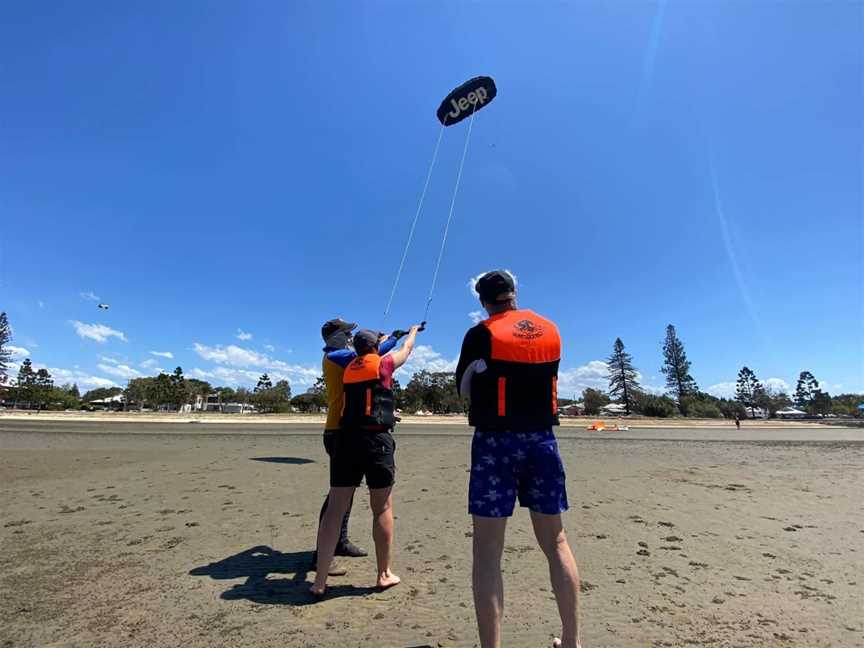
(337, 325)
(496, 286)
(366, 340)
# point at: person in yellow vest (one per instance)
(338, 346)
(364, 447)
(508, 367)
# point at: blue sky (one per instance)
(227, 176)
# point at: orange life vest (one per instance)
(368, 404)
(519, 389)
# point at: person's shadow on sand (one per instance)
(294, 461)
(257, 563)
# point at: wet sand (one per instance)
(165, 534)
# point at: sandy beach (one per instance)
(163, 533)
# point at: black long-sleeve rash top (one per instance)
(476, 352)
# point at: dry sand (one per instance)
(165, 534)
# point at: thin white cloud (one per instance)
(84, 380)
(650, 60)
(425, 358)
(98, 332)
(299, 380)
(728, 389)
(119, 370)
(62, 376)
(232, 355)
(149, 363)
(779, 385)
(244, 360)
(476, 316)
(243, 335)
(109, 360)
(41, 304)
(722, 390)
(163, 354)
(18, 352)
(89, 296)
(270, 347)
(572, 381)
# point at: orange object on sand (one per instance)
(597, 426)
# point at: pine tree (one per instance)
(42, 387)
(264, 382)
(179, 391)
(748, 390)
(5, 338)
(805, 390)
(623, 383)
(676, 367)
(26, 379)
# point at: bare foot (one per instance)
(318, 591)
(556, 643)
(388, 579)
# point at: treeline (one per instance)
(684, 397)
(429, 391)
(175, 391)
(436, 391)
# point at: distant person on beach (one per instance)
(508, 368)
(363, 446)
(737, 422)
(338, 344)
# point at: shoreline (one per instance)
(575, 422)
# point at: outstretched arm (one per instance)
(401, 355)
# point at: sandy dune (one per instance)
(185, 536)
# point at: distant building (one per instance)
(573, 409)
(237, 408)
(613, 409)
(111, 402)
(790, 413)
(757, 413)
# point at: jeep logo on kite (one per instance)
(465, 100)
(527, 330)
(471, 99)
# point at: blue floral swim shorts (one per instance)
(505, 465)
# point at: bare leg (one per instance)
(380, 500)
(563, 573)
(328, 534)
(486, 578)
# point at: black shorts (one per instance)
(358, 454)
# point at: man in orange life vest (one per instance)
(364, 447)
(509, 368)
